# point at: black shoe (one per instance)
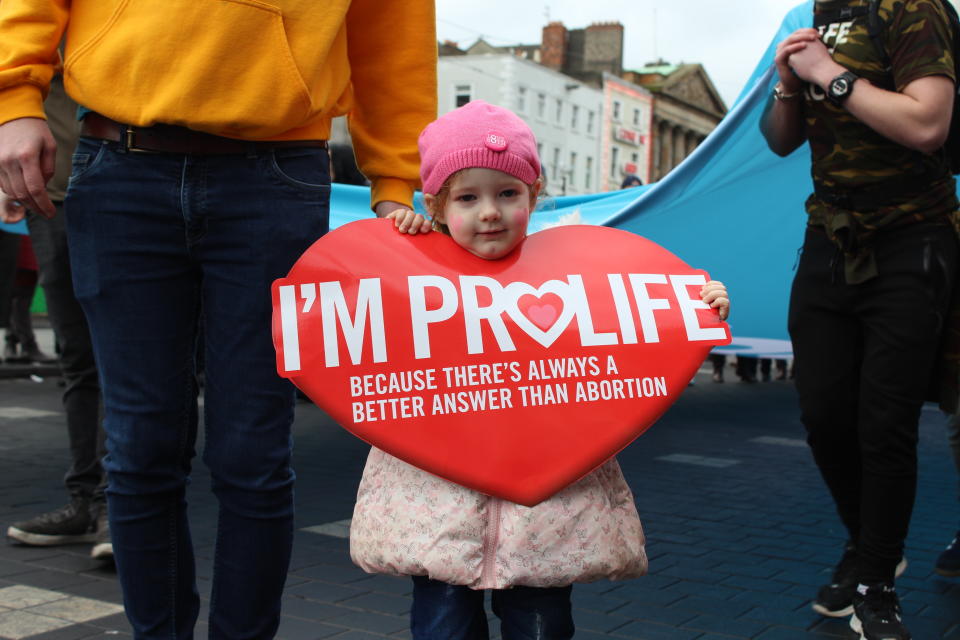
(948, 564)
(32, 353)
(103, 545)
(835, 600)
(11, 352)
(70, 524)
(877, 613)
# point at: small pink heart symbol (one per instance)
(542, 315)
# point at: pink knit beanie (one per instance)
(477, 135)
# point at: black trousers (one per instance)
(81, 397)
(9, 248)
(865, 354)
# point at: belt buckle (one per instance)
(131, 141)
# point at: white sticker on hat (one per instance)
(495, 141)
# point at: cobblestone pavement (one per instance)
(740, 531)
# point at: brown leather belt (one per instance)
(165, 138)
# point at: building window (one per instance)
(635, 157)
(541, 105)
(574, 115)
(461, 95)
(559, 110)
(590, 117)
(556, 162)
(521, 99)
(636, 117)
(614, 161)
(540, 151)
(616, 111)
(588, 172)
(573, 166)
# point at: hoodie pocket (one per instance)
(223, 66)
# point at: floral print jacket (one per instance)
(410, 522)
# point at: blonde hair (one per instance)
(440, 200)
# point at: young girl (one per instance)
(481, 177)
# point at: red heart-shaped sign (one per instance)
(514, 377)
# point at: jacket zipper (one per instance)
(490, 540)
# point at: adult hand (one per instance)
(814, 64)
(11, 210)
(794, 43)
(27, 160)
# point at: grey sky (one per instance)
(727, 38)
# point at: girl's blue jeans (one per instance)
(444, 611)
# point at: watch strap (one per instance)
(844, 80)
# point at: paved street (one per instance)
(740, 531)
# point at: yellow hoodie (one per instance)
(247, 69)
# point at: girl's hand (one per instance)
(406, 221)
(714, 293)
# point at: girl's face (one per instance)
(487, 211)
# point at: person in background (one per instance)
(719, 361)
(84, 518)
(20, 342)
(343, 166)
(631, 180)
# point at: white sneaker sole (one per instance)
(839, 613)
(846, 611)
(102, 551)
(857, 627)
(855, 623)
(44, 540)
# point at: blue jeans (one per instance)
(156, 241)
(444, 611)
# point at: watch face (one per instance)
(840, 86)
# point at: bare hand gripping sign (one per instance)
(515, 382)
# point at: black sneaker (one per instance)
(11, 351)
(877, 613)
(70, 524)
(103, 545)
(948, 564)
(835, 600)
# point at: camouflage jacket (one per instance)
(864, 181)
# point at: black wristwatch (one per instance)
(841, 87)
